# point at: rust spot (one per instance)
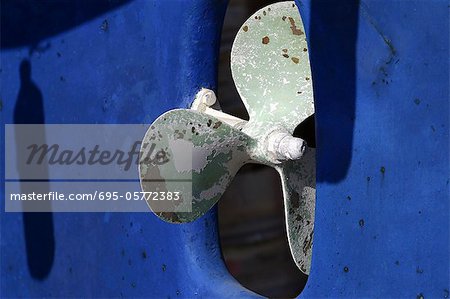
(285, 55)
(264, 12)
(256, 17)
(295, 60)
(361, 222)
(295, 30)
(283, 18)
(307, 78)
(217, 124)
(245, 28)
(265, 40)
(304, 49)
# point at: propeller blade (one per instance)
(300, 176)
(191, 153)
(270, 66)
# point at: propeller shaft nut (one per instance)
(282, 146)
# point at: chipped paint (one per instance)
(298, 180)
(257, 66)
(207, 147)
(211, 157)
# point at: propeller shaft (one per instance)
(283, 146)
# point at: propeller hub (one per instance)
(282, 146)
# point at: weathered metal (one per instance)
(212, 145)
(380, 73)
(200, 148)
(270, 67)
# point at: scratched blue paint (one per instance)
(380, 73)
(108, 62)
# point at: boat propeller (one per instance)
(201, 149)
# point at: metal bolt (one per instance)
(282, 146)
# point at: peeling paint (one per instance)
(207, 151)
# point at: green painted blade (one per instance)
(191, 153)
(299, 190)
(270, 66)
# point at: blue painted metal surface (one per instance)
(108, 63)
(380, 73)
